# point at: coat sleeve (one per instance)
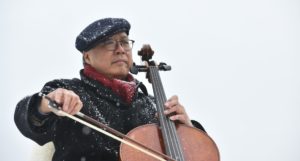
(198, 125)
(31, 123)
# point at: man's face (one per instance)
(111, 63)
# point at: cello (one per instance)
(180, 142)
(151, 142)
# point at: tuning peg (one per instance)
(164, 66)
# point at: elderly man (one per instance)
(106, 91)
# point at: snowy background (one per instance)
(235, 64)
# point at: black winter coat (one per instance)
(74, 141)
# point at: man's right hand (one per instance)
(67, 99)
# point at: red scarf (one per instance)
(124, 89)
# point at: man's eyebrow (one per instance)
(124, 36)
(110, 38)
(121, 38)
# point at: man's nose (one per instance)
(119, 48)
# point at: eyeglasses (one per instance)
(113, 44)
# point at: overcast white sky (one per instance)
(235, 64)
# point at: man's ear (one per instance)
(86, 58)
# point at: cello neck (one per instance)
(168, 128)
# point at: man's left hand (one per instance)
(172, 106)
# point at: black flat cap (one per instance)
(100, 30)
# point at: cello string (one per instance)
(166, 128)
(159, 109)
(170, 124)
(170, 127)
(173, 131)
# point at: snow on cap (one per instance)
(100, 30)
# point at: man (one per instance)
(106, 92)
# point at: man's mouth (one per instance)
(119, 61)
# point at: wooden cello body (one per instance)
(196, 144)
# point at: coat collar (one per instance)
(108, 93)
